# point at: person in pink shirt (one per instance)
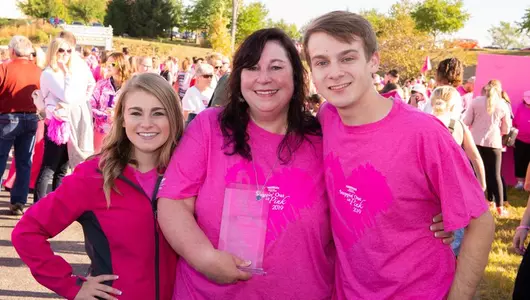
(389, 167)
(489, 118)
(244, 198)
(522, 143)
(266, 147)
(466, 92)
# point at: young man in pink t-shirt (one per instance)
(389, 168)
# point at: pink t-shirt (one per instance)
(466, 97)
(386, 181)
(147, 180)
(299, 252)
(522, 122)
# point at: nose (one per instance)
(335, 72)
(146, 122)
(263, 77)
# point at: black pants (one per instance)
(521, 290)
(54, 166)
(521, 157)
(492, 159)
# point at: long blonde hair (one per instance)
(117, 150)
(442, 99)
(51, 54)
(492, 92)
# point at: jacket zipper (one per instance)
(153, 201)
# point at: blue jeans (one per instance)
(459, 236)
(18, 129)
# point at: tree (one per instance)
(525, 24)
(199, 14)
(219, 36)
(290, 29)
(401, 45)
(506, 35)
(233, 25)
(251, 18)
(44, 9)
(440, 16)
(87, 10)
(118, 14)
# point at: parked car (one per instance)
(77, 23)
(496, 47)
(97, 24)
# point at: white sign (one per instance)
(98, 36)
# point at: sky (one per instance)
(484, 13)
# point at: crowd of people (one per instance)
(330, 182)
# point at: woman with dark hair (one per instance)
(250, 195)
(244, 194)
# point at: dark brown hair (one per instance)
(234, 118)
(345, 27)
(450, 72)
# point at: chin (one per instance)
(341, 103)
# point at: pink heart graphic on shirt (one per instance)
(356, 200)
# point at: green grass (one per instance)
(500, 273)
(163, 49)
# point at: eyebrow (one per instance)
(277, 60)
(140, 109)
(342, 53)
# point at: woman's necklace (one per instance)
(259, 191)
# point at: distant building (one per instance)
(10, 10)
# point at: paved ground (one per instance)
(16, 281)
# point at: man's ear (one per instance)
(374, 62)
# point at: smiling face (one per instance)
(340, 70)
(146, 123)
(268, 86)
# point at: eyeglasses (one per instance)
(61, 50)
(207, 76)
(217, 67)
(147, 66)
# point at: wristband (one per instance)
(523, 227)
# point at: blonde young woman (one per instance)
(105, 94)
(115, 202)
(59, 92)
(489, 119)
(442, 100)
